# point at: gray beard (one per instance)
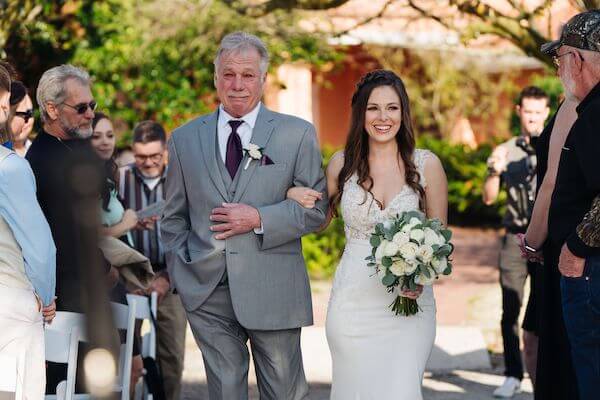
(76, 133)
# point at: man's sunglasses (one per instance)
(83, 107)
(25, 114)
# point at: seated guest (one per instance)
(21, 118)
(27, 261)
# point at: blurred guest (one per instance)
(117, 222)
(577, 54)
(513, 164)
(21, 122)
(27, 261)
(141, 185)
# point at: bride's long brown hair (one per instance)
(356, 151)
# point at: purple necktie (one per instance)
(233, 158)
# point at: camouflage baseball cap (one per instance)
(582, 31)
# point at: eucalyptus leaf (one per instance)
(386, 262)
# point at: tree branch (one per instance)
(366, 20)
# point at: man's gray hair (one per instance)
(52, 85)
(241, 41)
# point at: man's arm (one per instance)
(175, 224)
(288, 220)
(580, 242)
(496, 165)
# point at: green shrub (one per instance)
(466, 172)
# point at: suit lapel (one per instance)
(208, 144)
(265, 123)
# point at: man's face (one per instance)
(150, 158)
(533, 113)
(239, 81)
(73, 123)
(567, 70)
(4, 107)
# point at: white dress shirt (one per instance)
(244, 130)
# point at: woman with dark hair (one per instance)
(377, 354)
(27, 261)
(116, 220)
(21, 118)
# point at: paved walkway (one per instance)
(469, 298)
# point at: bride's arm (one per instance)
(436, 191)
(307, 197)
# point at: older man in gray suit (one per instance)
(233, 240)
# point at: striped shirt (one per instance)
(137, 194)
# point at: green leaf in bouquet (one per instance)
(424, 270)
(370, 258)
(447, 271)
(447, 234)
(375, 241)
(435, 247)
(443, 251)
(388, 279)
(414, 214)
(412, 285)
(435, 224)
(386, 262)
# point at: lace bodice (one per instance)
(360, 216)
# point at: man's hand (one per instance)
(160, 285)
(569, 264)
(234, 219)
(49, 312)
(498, 160)
(147, 223)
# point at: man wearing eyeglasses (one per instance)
(577, 55)
(141, 186)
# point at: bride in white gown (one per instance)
(376, 354)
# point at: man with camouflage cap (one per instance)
(577, 56)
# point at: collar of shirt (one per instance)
(143, 178)
(245, 129)
(594, 93)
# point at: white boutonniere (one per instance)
(253, 152)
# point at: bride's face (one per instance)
(384, 114)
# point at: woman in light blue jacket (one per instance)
(27, 261)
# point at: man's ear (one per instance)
(577, 63)
(52, 110)
(518, 109)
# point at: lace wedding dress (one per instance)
(376, 354)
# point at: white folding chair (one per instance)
(11, 368)
(143, 310)
(124, 319)
(62, 347)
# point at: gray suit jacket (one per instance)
(267, 276)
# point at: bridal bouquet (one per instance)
(410, 250)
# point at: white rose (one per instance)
(425, 253)
(421, 279)
(411, 267)
(408, 251)
(417, 235)
(379, 252)
(391, 249)
(255, 154)
(439, 264)
(399, 267)
(431, 237)
(401, 238)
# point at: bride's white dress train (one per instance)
(376, 354)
